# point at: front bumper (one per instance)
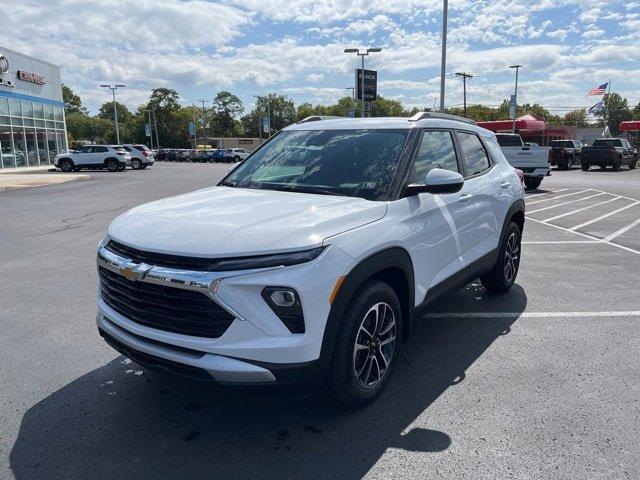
(257, 348)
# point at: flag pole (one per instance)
(606, 113)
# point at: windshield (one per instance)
(356, 163)
(608, 143)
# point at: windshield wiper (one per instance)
(303, 189)
(228, 184)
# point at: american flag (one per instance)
(601, 90)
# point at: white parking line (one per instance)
(582, 209)
(570, 201)
(601, 217)
(560, 196)
(584, 235)
(552, 242)
(627, 313)
(617, 233)
(621, 196)
(545, 193)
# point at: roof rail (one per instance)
(444, 116)
(317, 118)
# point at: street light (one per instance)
(115, 110)
(362, 54)
(443, 62)
(515, 99)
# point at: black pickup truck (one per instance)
(613, 152)
(565, 153)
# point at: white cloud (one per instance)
(590, 16)
(589, 34)
(315, 77)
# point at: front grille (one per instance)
(159, 259)
(165, 308)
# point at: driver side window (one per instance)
(436, 151)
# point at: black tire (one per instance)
(143, 166)
(616, 166)
(603, 167)
(503, 275)
(121, 168)
(66, 165)
(236, 159)
(111, 164)
(136, 164)
(531, 183)
(633, 163)
(564, 164)
(585, 166)
(343, 383)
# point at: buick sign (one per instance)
(4, 64)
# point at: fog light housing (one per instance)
(285, 303)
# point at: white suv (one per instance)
(307, 264)
(141, 155)
(112, 157)
(235, 154)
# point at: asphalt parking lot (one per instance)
(541, 382)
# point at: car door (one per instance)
(483, 187)
(437, 218)
(82, 156)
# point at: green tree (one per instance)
(92, 129)
(384, 107)
(617, 108)
(577, 118)
(282, 109)
(106, 112)
(226, 109)
(72, 101)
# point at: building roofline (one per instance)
(5, 49)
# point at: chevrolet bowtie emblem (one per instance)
(135, 273)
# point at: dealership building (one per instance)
(32, 123)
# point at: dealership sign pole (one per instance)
(361, 84)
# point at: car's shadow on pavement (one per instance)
(117, 423)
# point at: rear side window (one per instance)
(436, 151)
(509, 140)
(128, 149)
(100, 149)
(475, 156)
(142, 148)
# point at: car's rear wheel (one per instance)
(236, 159)
(616, 166)
(367, 345)
(632, 165)
(143, 166)
(585, 166)
(136, 164)
(111, 164)
(504, 272)
(531, 183)
(66, 165)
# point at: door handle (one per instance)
(465, 198)
(505, 184)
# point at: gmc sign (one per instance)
(30, 77)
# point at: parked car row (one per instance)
(202, 156)
(113, 158)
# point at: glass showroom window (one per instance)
(32, 147)
(27, 109)
(6, 148)
(41, 141)
(19, 147)
(52, 148)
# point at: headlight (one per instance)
(285, 303)
(265, 261)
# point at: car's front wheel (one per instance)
(504, 272)
(136, 164)
(367, 345)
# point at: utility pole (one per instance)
(362, 55)
(155, 126)
(464, 76)
(443, 63)
(204, 122)
(515, 107)
(150, 132)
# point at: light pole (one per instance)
(362, 54)
(150, 132)
(443, 63)
(515, 98)
(115, 110)
(204, 122)
(353, 99)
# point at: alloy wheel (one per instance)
(511, 257)
(374, 345)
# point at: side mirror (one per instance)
(438, 180)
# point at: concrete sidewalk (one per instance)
(23, 170)
(11, 181)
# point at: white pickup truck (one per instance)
(533, 161)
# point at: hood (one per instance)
(225, 221)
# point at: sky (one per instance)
(295, 48)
